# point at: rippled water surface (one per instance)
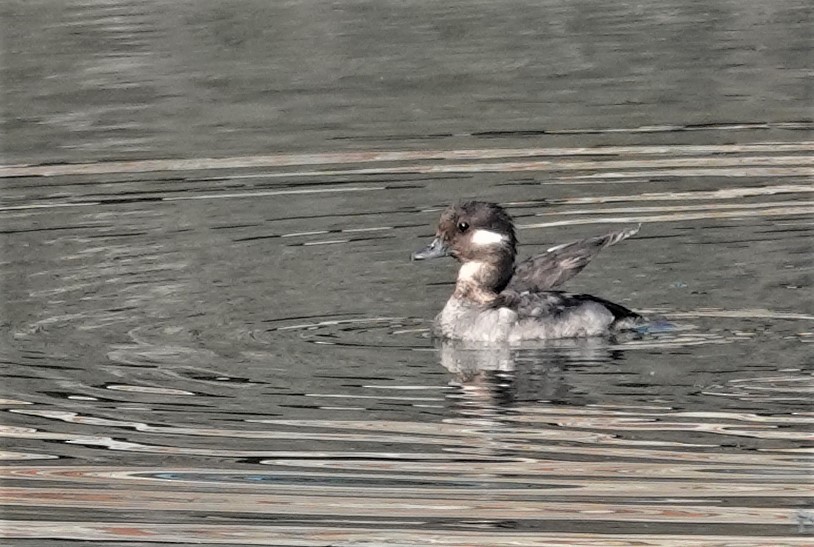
(212, 332)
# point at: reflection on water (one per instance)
(508, 446)
(215, 334)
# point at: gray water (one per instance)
(212, 332)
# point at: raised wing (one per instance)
(561, 263)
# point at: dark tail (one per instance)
(623, 318)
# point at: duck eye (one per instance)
(463, 226)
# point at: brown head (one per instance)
(481, 236)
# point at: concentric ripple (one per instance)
(212, 334)
(389, 332)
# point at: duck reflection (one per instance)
(493, 378)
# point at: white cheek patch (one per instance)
(484, 238)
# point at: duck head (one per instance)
(481, 237)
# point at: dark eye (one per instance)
(462, 227)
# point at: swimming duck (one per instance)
(497, 301)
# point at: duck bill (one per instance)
(436, 249)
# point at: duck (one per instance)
(498, 300)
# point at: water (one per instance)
(213, 334)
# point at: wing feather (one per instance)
(562, 262)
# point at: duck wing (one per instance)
(554, 303)
(561, 263)
(554, 314)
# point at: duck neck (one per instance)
(480, 281)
